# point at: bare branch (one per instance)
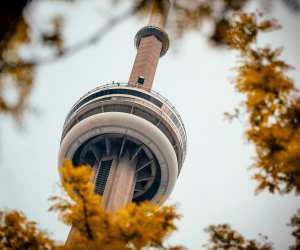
(85, 43)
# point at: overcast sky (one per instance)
(214, 185)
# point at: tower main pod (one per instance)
(130, 135)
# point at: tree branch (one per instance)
(93, 39)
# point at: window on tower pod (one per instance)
(141, 80)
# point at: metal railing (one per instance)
(122, 84)
(151, 92)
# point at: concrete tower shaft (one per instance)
(151, 42)
(131, 136)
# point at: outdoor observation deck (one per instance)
(149, 105)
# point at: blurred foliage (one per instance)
(133, 227)
(20, 79)
(272, 103)
(273, 108)
(293, 5)
(295, 224)
(17, 233)
(55, 37)
(137, 226)
(190, 15)
(223, 237)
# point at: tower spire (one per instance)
(152, 42)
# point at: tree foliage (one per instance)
(137, 226)
(20, 79)
(295, 224)
(272, 104)
(17, 233)
(224, 237)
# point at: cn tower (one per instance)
(132, 137)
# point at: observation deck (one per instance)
(120, 97)
(117, 123)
